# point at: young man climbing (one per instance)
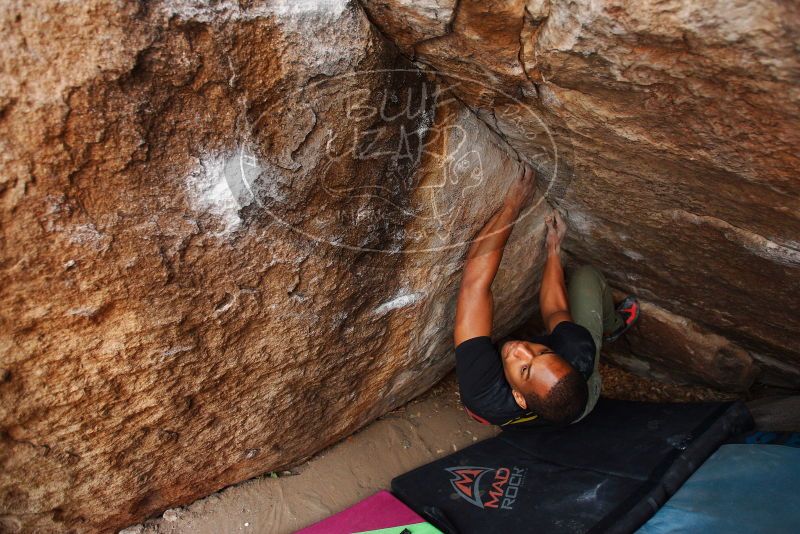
(548, 379)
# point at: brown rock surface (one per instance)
(672, 348)
(221, 249)
(232, 231)
(676, 124)
(419, 432)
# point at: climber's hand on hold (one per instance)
(521, 190)
(556, 230)
(553, 299)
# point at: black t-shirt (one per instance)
(485, 391)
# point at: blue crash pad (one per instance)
(740, 488)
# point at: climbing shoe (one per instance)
(628, 310)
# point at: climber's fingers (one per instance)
(527, 182)
(528, 172)
(521, 189)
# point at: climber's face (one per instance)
(531, 368)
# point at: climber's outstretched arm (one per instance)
(474, 308)
(553, 300)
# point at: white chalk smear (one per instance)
(632, 254)
(172, 351)
(582, 223)
(589, 495)
(83, 311)
(208, 192)
(402, 300)
(307, 22)
(755, 243)
(88, 235)
(232, 9)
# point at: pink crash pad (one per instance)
(380, 511)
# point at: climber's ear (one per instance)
(521, 402)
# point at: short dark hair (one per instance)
(565, 401)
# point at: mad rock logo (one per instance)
(487, 487)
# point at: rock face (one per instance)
(230, 237)
(673, 348)
(676, 122)
(232, 231)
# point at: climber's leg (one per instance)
(591, 306)
(590, 303)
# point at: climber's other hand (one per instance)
(556, 230)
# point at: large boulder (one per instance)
(230, 237)
(232, 231)
(677, 128)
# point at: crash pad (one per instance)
(379, 514)
(741, 488)
(761, 437)
(608, 473)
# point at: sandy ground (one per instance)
(427, 428)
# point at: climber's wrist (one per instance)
(511, 205)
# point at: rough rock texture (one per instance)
(232, 231)
(676, 124)
(417, 433)
(221, 249)
(672, 348)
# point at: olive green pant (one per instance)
(592, 307)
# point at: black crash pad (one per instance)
(608, 473)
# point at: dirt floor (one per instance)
(425, 429)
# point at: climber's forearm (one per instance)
(486, 251)
(553, 301)
(474, 307)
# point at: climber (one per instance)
(551, 379)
